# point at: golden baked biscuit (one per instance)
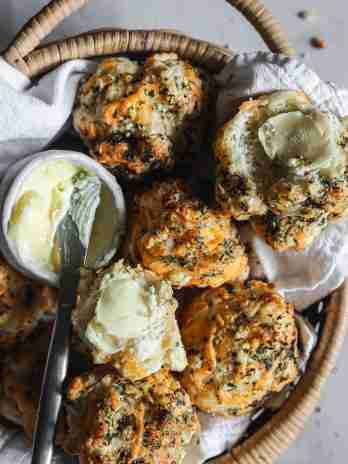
(20, 380)
(282, 164)
(241, 344)
(126, 317)
(139, 117)
(23, 303)
(291, 232)
(113, 420)
(182, 240)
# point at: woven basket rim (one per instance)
(275, 436)
(113, 41)
(21, 52)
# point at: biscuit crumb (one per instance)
(318, 42)
(308, 15)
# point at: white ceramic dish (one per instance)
(10, 188)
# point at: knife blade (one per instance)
(72, 255)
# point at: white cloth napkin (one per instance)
(218, 434)
(32, 115)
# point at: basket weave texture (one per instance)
(25, 54)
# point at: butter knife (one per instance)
(73, 255)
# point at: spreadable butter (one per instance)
(45, 197)
(128, 320)
(39, 192)
(302, 141)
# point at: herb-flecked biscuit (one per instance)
(241, 344)
(140, 117)
(184, 241)
(126, 318)
(114, 420)
(23, 303)
(283, 164)
(21, 374)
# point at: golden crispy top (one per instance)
(136, 116)
(241, 344)
(23, 302)
(115, 420)
(181, 239)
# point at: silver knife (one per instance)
(73, 255)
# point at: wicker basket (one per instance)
(273, 438)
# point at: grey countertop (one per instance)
(324, 439)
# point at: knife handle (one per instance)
(55, 371)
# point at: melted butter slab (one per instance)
(301, 141)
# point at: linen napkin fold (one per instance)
(33, 115)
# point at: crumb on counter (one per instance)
(308, 15)
(318, 42)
